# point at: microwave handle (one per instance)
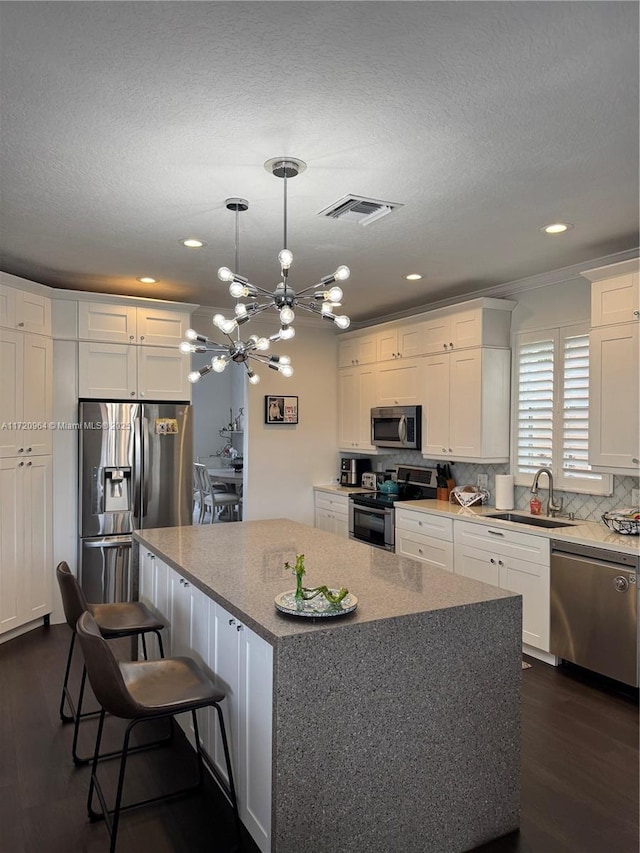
(402, 429)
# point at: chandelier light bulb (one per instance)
(218, 320)
(237, 289)
(287, 332)
(185, 347)
(286, 370)
(254, 379)
(284, 359)
(342, 273)
(262, 344)
(287, 315)
(286, 258)
(194, 376)
(228, 326)
(241, 310)
(342, 321)
(225, 274)
(327, 309)
(191, 335)
(218, 363)
(335, 295)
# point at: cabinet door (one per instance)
(466, 329)
(324, 519)
(435, 428)
(614, 429)
(106, 322)
(33, 313)
(479, 565)
(36, 571)
(161, 328)
(162, 374)
(12, 385)
(11, 541)
(38, 400)
(437, 334)
(366, 399)
(465, 403)
(411, 340)
(401, 384)
(107, 371)
(7, 306)
(531, 581)
(387, 345)
(357, 351)
(615, 300)
(255, 739)
(179, 614)
(224, 629)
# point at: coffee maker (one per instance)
(351, 470)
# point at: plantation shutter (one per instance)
(575, 408)
(534, 442)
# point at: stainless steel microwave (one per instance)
(397, 426)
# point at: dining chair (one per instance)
(214, 500)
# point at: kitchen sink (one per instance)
(529, 519)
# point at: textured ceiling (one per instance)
(126, 125)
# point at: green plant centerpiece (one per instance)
(304, 593)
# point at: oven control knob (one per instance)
(621, 583)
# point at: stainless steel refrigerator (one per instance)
(136, 472)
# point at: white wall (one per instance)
(283, 462)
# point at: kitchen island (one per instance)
(393, 728)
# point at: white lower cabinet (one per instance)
(424, 537)
(242, 664)
(332, 513)
(26, 541)
(519, 562)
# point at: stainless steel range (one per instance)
(372, 514)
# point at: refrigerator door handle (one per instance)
(145, 464)
(137, 473)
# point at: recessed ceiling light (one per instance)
(556, 228)
(193, 243)
(146, 279)
(413, 276)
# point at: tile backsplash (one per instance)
(587, 507)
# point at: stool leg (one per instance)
(116, 810)
(65, 690)
(227, 758)
(93, 782)
(157, 633)
(144, 647)
(77, 760)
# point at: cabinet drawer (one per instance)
(337, 503)
(510, 543)
(427, 549)
(424, 524)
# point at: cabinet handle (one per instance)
(150, 555)
(451, 450)
(444, 449)
(142, 393)
(419, 550)
(239, 627)
(133, 393)
(232, 621)
(186, 583)
(29, 462)
(141, 337)
(28, 450)
(500, 563)
(21, 325)
(21, 450)
(451, 344)
(636, 313)
(492, 561)
(495, 532)
(20, 464)
(419, 524)
(635, 461)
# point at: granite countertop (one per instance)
(335, 489)
(241, 566)
(593, 533)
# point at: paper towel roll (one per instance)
(504, 491)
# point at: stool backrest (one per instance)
(104, 671)
(73, 601)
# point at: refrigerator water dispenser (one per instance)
(117, 492)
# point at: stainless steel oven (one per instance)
(372, 524)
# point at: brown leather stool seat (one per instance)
(139, 691)
(121, 619)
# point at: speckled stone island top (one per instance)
(241, 566)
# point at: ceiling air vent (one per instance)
(355, 208)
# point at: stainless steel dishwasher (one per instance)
(594, 609)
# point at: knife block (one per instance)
(442, 494)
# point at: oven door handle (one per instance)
(402, 429)
(374, 509)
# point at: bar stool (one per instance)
(122, 619)
(140, 691)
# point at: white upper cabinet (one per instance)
(397, 342)
(473, 327)
(28, 312)
(401, 383)
(357, 395)
(615, 300)
(111, 322)
(354, 351)
(121, 372)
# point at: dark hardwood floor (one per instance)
(579, 778)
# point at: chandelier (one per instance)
(236, 351)
(319, 299)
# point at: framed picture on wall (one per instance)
(280, 410)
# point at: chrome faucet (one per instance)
(552, 507)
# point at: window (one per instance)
(552, 410)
